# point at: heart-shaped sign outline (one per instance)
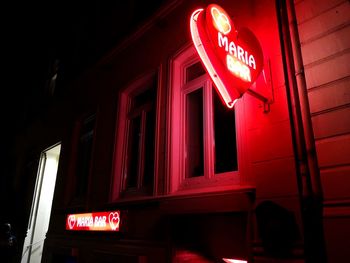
(114, 216)
(204, 32)
(71, 221)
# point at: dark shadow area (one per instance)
(277, 228)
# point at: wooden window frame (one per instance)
(177, 183)
(118, 186)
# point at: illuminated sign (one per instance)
(233, 59)
(99, 221)
(228, 260)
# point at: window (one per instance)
(136, 139)
(139, 156)
(84, 156)
(202, 132)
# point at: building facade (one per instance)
(143, 132)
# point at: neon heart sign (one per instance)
(233, 59)
(114, 220)
(71, 221)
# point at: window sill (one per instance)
(226, 199)
(218, 182)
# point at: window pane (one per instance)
(194, 71)
(133, 152)
(225, 137)
(194, 133)
(148, 95)
(141, 139)
(84, 155)
(149, 150)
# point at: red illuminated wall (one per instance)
(324, 35)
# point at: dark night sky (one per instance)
(77, 34)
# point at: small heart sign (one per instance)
(71, 221)
(114, 220)
(233, 59)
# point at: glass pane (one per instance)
(149, 150)
(148, 95)
(133, 152)
(194, 71)
(225, 137)
(194, 134)
(141, 139)
(84, 156)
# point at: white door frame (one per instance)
(41, 205)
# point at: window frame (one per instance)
(118, 186)
(176, 181)
(76, 198)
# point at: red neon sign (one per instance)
(233, 59)
(229, 260)
(99, 221)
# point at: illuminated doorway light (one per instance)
(41, 205)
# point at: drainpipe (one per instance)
(307, 171)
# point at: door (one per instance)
(41, 205)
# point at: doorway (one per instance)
(41, 205)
